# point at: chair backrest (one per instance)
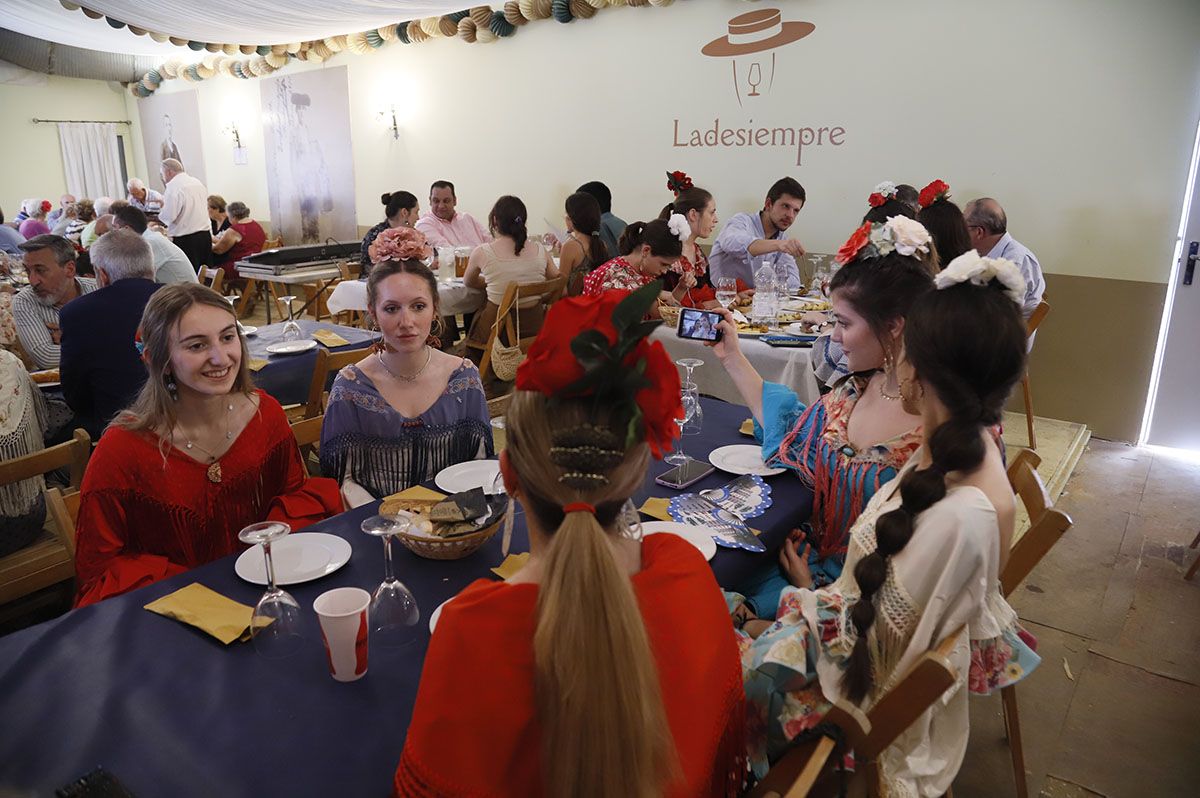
(515, 298)
(498, 406)
(328, 362)
(1047, 524)
(73, 453)
(212, 277)
(308, 431)
(63, 509)
(349, 271)
(272, 243)
(1036, 318)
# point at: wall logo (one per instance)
(750, 47)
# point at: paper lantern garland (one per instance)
(478, 24)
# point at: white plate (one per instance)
(464, 476)
(699, 537)
(248, 329)
(741, 458)
(44, 385)
(300, 557)
(291, 347)
(437, 614)
(796, 328)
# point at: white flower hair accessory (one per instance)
(887, 188)
(907, 236)
(678, 225)
(981, 271)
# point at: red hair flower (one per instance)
(596, 331)
(46, 206)
(678, 182)
(933, 192)
(876, 199)
(859, 239)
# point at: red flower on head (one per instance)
(859, 239)
(678, 182)
(876, 199)
(936, 190)
(550, 366)
(46, 206)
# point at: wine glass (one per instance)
(291, 330)
(726, 291)
(690, 398)
(394, 613)
(694, 424)
(275, 625)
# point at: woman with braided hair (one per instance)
(605, 667)
(924, 556)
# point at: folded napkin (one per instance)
(257, 363)
(330, 338)
(512, 563)
(747, 427)
(207, 610)
(657, 508)
(415, 499)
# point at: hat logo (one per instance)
(750, 38)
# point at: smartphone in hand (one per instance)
(699, 325)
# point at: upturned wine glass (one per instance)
(291, 330)
(690, 397)
(694, 424)
(394, 613)
(276, 624)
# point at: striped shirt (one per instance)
(31, 318)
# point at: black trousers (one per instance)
(197, 246)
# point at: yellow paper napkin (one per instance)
(656, 508)
(207, 610)
(512, 563)
(415, 498)
(747, 427)
(257, 363)
(330, 338)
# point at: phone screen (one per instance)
(699, 325)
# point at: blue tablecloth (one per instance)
(288, 377)
(172, 712)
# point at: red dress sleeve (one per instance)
(305, 500)
(103, 565)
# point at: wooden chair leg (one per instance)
(1028, 410)
(1012, 724)
(247, 294)
(1195, 565)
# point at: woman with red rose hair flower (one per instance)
(604, 667)
(945, 222)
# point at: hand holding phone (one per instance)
(699, 325)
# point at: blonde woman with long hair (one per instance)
(198, 455)
(561, 681)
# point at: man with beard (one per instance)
(748, 237)
(50, 261)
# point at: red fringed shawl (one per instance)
(141, 520)
(474, 730)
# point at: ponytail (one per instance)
(584, 211)
(509, 217)
(604, 725)
(662, 242)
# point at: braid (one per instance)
(956, 445)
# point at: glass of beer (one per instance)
(461, 256)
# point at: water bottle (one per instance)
(763, 310)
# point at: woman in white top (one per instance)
(511, 257)
(923, 557)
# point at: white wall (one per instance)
(32, 161)
(1078, 115)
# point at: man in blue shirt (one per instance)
(611, 226)
(750, 237)
(10, 238)
(988, 225)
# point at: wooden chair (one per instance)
(1047, 525)
(328, 362)
(49, 560)
(867, 734)
(498, 406)
(308, 431)
(1035, 319)
(212, 277)
(515, 296)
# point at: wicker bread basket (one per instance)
(454, 548)
(670, 314)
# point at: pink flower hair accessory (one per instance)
(399, 243)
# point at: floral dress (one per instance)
(617, 273)
(945, 578)
(700, 293)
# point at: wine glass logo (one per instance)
(757, 33)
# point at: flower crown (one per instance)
(938, 189)
(898, 234)
(678, 182)
(969, 266)
(678, 224)
(399, 243)
(883, 192)
(598, 347)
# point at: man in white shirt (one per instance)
(988, 227)
(171, 264)
(50, 262)
(146, 200)
(185, 213)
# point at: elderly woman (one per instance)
(35, 221)
(217, 217)
(85, 214)
(242, 237)
(22, 427)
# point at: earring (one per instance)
(379, 347)
(889, 363)
(436, 333)
(172, 388)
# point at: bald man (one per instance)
(988, 226)
(185, 213)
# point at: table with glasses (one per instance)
(790, 366)
(288, 377)
(454, 297)
(171, 711)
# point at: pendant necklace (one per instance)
(405, 377)
(214, 468)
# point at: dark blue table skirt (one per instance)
(172, 712)
(288, 377)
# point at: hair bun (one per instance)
(385, 199)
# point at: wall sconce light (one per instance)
(237, 137)
(388, 117)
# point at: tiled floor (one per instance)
(1114, 709)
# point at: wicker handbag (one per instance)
(506, 359)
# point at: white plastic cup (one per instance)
(344, 630)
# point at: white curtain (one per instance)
(91, 161)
